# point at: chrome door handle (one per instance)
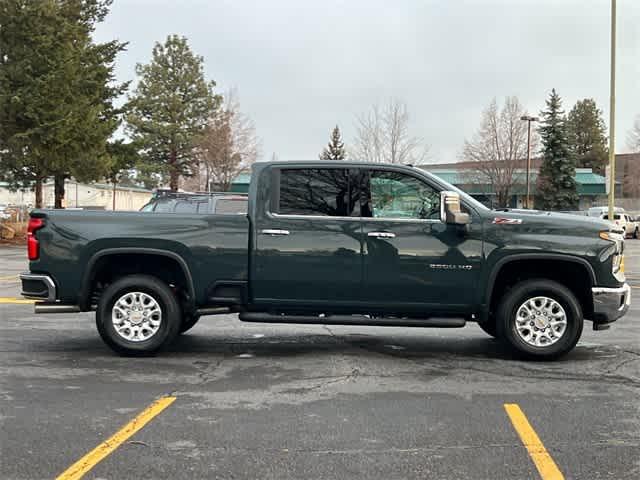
(274, 232)
(381, 234)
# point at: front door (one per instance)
(308, 243)
(412, 260)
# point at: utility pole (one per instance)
(612, 115)
(528, 119)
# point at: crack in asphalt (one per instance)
(207, 371)
(431, 448)
(336, 379)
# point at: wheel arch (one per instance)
(511, 261)
(91, 271)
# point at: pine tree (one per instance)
(170, 108)
(56, 92)
(586, 135)
(557, 189)
(335, 149)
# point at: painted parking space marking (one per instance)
(15, 301)
(95, 456)
(547, 468)
(9, 278)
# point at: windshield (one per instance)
(464, 196)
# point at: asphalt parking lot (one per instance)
(277, 402)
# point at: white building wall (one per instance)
(20, 197)
(80, 195)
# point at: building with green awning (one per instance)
(591, 186)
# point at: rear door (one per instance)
(412, 260)
(308, 243)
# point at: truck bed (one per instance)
(213, 247)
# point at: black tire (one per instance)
(635, 233)
(514, 298)
(161, 293)
(188, 322)
(489, 327)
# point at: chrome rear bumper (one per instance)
(38, 287)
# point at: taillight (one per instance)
(33, 246)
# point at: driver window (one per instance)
(396, 195)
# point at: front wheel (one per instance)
(635, 233)
(540, 319)
(138, 315)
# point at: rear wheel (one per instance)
(540, 319)
(138, 315)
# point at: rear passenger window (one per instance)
(317, 191)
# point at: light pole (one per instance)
(528, 119)
(612, 114)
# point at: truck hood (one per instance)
(551, 219)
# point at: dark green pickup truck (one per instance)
(340, 243)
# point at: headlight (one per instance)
(611, 236)
(618, 257)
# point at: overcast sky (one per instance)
(300, 67)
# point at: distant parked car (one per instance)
(626, 221)
(4, 214)
(204, 203)
(633, 225)
(600, 211)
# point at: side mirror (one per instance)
(450, 212)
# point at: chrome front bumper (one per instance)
(609, 304)
(38, 287)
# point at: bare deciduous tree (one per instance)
(633, 137)
(498, 149)
(382, 136)
(229, 144)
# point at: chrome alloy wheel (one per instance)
(136, 316)
(541, 321)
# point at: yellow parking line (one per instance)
(15, 301)
(5, 278)
(91, 459)
(544, 463)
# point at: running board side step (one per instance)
(55, 308)
(433, 322)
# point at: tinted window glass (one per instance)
(185, 206)
(147, 208)
(203, 207)
(317, 191)
(397, 195)
(164, 206)
(231, 206)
